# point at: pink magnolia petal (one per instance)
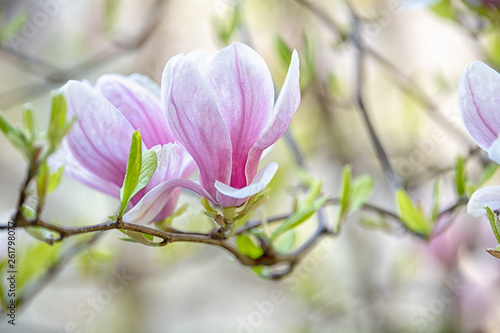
(196, 122)
(287, 103)
(478, 101)
(202, 59)
(149, 208)
(243, 89)
(485, 197)
(146, 83)
(173, 162)
(494, 151)
(140, 107)
(74, 170)
(100, 138)
(228, 196)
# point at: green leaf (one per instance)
(460, 176)
(149, 164)
(286, 241)
(13, 26)
(58, 114)
(436, 198)
(30, 122)
(284, 50)
(58, 126)
(361, 190)
(54, 180)
(33, 262)
(494, 222)
(248, 246)
(314, 186)
(299, 217)
(132, 174)
(345, 189)
(43, 234)
(206, 205)
(139, 237)
(412, 217)
(487, 173)
(15, 136)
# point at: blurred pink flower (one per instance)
(97, 147)
(221, 108)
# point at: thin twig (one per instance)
(391, 177)
(57, 77)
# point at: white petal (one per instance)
(485, 197)
(259, 183)
(494, 151)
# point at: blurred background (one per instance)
(373, 276)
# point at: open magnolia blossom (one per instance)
(221, 108)
(479, 104)
(95, 151)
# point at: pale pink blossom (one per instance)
(221, 108)
(479, 105)
(97, 147)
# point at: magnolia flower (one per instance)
(479, 104)
(479, 101)
(221, 108)
(97, 147)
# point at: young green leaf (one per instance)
(345, 190)
(15, 136)
(361, 190)
(413, 218)
(494, 222)
(35, 259)
(436, 198)
(284, 50)
(132, 174)
(30, 122)
(149, 163)
(247, 245)
(138, 237)
(54, 180)
(299, 217)
(43, 234)
(140, 169)
(13, 26)
(460, 176)
(58, 125)
(286, 241)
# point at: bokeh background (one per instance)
(370, 278)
